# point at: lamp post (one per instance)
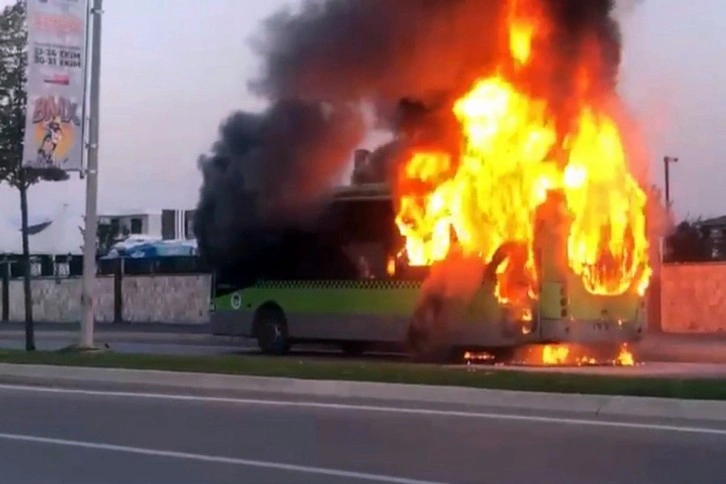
(91, 222)
(667, 160)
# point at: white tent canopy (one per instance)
(62, 236)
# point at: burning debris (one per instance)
(559, 355)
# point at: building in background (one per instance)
(166, 224)
(713, 231)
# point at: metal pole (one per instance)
(91, 229)
(666, 162)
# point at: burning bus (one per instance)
(510, 209)
(355, 283)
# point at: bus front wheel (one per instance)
(271, 332)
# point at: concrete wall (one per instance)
(155, 299)
(693, 297)
(158, 299)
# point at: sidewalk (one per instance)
(682, 348)
(176, 328)
(182, 334)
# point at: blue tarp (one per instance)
(151, 250)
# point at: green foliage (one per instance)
(14, 100)
(689, 243)
(109, 235)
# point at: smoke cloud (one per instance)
(324, 62)
(269, 171)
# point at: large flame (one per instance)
(514, 151)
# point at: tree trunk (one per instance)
(27, 294)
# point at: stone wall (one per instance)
(157, 299)
(693, 297)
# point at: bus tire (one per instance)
(271, 330)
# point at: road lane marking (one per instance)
(278, 466)
(367, 408)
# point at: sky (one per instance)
(173, 69)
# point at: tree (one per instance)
(13, 103)
(107, 236)
(688, 243)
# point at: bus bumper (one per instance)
(589, 332)
(511, 333)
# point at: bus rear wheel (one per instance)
(271, 332)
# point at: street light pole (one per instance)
(667, 160)
(91, 229)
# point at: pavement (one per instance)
(683, 347)
(90, 431)
(157, 338)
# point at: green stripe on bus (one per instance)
(310, 298)
(332, 284)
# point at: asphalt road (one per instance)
(89, 436)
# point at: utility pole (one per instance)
(667, 160)
(91, 229)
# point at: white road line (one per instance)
(367, 408)
(321, 471)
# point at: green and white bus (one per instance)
(345, 293)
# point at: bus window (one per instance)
(365, 230)
(362, 221)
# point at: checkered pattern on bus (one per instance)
(341, 284)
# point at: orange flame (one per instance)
(514, 152)
(554, 355)
(561, 355)
(522, 28)
(625, 357)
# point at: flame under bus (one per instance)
(340, 287)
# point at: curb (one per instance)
(131, 337)
(593, 406)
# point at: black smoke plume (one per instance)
(268, 171)
(323, 62)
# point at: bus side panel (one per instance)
(570, 314)
(228, 317)
(327, 312)
(485, 323)
(353, 327)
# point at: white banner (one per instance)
(54, 124)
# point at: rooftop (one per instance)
(712, 222)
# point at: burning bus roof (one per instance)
(368, 191)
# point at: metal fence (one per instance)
(12, 267)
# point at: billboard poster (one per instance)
(56, 85)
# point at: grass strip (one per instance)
(385, 372)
